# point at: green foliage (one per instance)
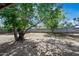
(21, 15)
(69, 25)
(66, 25)
(18, 15)
(51, 14)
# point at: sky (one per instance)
(71, 10)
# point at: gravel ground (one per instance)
(39, 44)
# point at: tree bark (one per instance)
(21, 36)
(15, 33)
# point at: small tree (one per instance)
(76, 21)
(69, 25)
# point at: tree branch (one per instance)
(32, 26)
(3, 5)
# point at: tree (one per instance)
(66, 24)
(17, 18)
(51, 14)
(69, 25)
(76, 21)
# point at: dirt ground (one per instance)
(40, 44)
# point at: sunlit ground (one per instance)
(40, 44)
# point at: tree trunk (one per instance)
(15, 33)
(21, 36)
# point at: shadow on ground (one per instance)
(65, 48)
(18, 48)
(49, 47)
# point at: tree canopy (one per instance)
(18, 15)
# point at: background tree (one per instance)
(51, 14)
(69, 25)
(76, 21)
(66, 24)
